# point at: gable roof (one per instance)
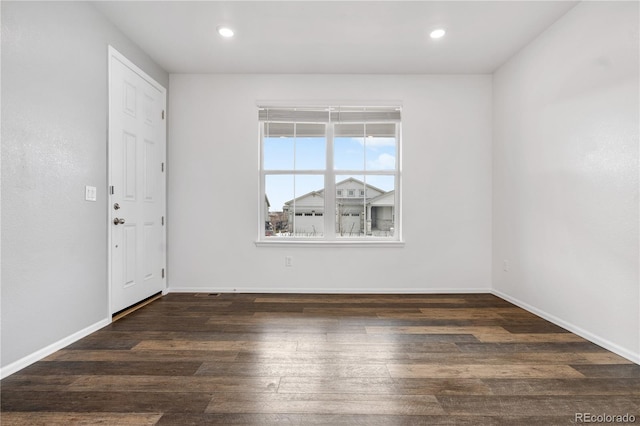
(341, 183)
(307, 195)
(383, 199)
(359, 182)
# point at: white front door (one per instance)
(137, 147)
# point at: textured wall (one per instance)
(566, 174)
(54, 142)
(213, 186)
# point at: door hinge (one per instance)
(163, 114)
(162, 272)
(111, 190)
(162, 167)
(162, 220)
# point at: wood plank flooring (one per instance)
(198, 359)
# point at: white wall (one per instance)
(213, 187)
(565, 193)
(54, 142)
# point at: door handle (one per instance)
(117, 221)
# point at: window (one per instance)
(309, 154)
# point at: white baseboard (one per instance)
(328, 290)
(45, 352)
(623, 352)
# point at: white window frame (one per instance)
(330, 237)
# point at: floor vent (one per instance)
(207, 295)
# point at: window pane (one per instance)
(348, 153)
(381, 211)
(350, 206)
(311, 154)
(380, 153)
(365, 206)
(278, 190)
(297, 205)
(278, 153)
(360, 146)
(306, 210)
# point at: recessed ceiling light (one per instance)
(439, 33)
(225, 32)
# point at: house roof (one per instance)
(312, 194)
(352, 179)
(342, 182)
(380, 198)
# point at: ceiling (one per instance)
(333, 37)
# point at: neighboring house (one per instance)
(382, 213)
(267, 226)
(361, 209)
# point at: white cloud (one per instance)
(383, 162)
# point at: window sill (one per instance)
(317, 243)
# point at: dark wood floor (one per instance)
(324, 359)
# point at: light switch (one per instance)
(90, 193)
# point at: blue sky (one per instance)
(372, 153)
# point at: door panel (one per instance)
(149, 246)
(137, 146)
(129, 167)
(150, 163)
(130, 255)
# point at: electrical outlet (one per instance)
(505, 265)
(90, 193)
(288, 261)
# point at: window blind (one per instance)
(310, 122)
(293, 115)
(301, 130)
(354, 130)
(330, 114)
(365, 115)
